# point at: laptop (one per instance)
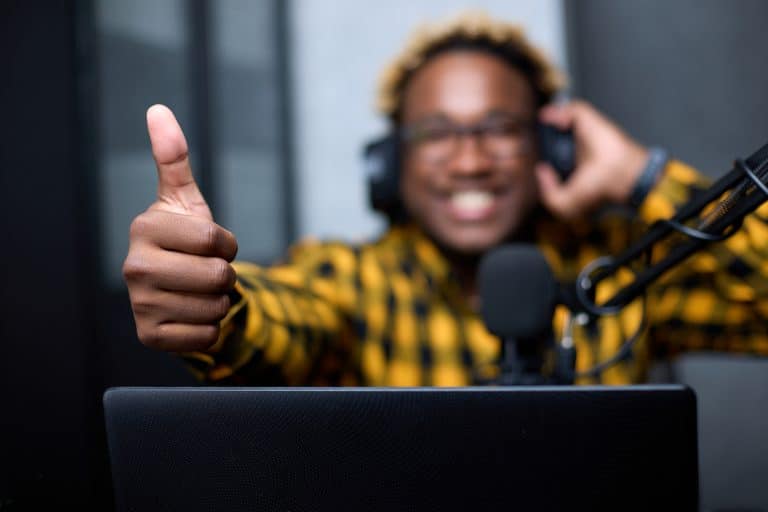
(390, 449)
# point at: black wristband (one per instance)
(657, 160)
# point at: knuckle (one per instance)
(231, 277)
(141, 304)
(229, 244)
(203, 338)
(135, 267)
(221, 307)
(162, 337)
(209, 334)
(222, 274)
(149, 336)
(236, 248)
(210, 237)
(140, 226)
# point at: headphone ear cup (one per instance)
(382, 171)
(558, 148)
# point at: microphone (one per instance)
(518, 292)
(732, 197)
(518, 295)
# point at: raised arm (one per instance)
(236, 322)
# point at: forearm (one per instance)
(276, 332)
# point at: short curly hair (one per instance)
(470, 30)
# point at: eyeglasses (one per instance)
(500, 138)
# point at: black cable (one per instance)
(585, 283)
(622, 353)
(626, 348)
(698, 234)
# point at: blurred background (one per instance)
(276, 99)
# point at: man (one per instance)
(463, 99)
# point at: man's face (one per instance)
(472, 189)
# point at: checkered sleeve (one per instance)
(718, 298)
(288, 324)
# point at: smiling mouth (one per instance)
(472, 204)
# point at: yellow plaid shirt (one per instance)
(391, 313)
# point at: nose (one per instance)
(470, 158)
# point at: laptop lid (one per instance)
(301, 449)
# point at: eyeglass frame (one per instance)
(477, 130)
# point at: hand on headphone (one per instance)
(608, 162)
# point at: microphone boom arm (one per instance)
(747, 194)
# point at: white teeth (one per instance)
(471, 200)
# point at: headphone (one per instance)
(382, 159)
(382, 162)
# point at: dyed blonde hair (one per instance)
(474, 30)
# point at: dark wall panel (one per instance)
(689, 74)
(44, 446)
(75, 167)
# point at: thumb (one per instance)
(176, 188)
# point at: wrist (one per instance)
(627, 171)
(655, 162)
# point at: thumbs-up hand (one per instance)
(177, 269)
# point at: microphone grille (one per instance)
(518, 292)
